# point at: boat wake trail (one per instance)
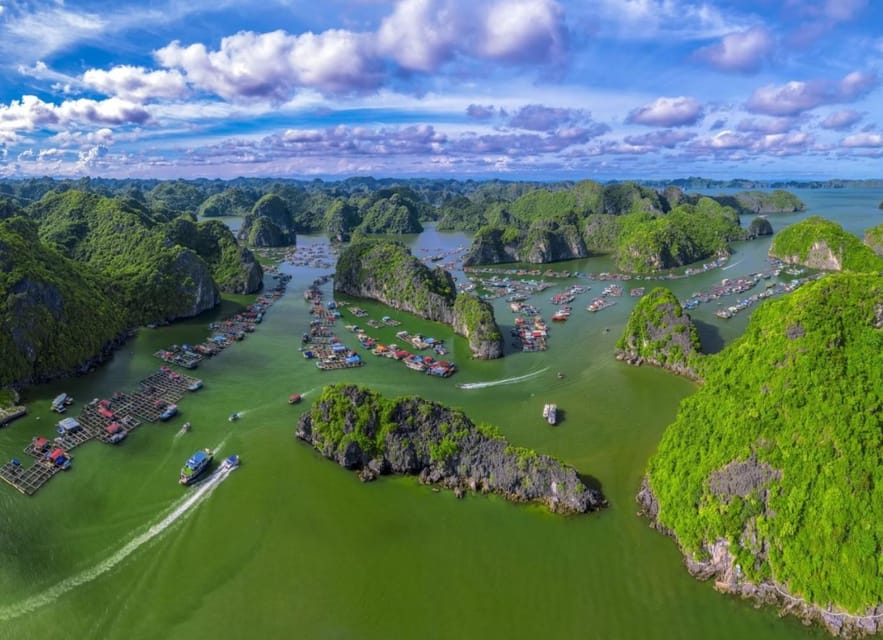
(494, 383)
(181, 509)
(730, 266)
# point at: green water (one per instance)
(292, 546)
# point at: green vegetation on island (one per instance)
(771, 477)
(385, 270)
(822, 244)
(659, 332)
(362, 430)
(106, 265)
(645, 230)
(56, 313)
(229, 202)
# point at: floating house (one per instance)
(68, 425)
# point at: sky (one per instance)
(510, 89)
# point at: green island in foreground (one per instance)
(360, 429)
(770, 477)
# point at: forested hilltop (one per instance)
(770, 477)
(79, 269)
(275, 211)
(645, 229)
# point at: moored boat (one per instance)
(552, 417)
(169, 412)
(61, 402)
(195, 465)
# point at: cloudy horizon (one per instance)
(515, 89)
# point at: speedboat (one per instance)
(294, 398)
(230, 462)
(185, 427)
(234, 417)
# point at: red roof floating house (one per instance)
(104, 411)
(59, 458)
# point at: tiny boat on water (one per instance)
(169, 412)
(195, 465)
(185, 427)
(230, 462)
(294, 398)
(234, 417)
(552, 418)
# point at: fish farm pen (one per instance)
(102, 420)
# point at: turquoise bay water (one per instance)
(291, 546)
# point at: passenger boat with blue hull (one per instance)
(195, 465)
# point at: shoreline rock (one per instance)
(728, 578)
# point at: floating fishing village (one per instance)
(111, 420)
(322, 344)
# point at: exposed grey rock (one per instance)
(416, 445)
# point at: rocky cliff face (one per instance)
(661, 333)
(552, 244)
(820, 256)
(474, 319)
(252, 273)
(360, 430)
(759, 227)
(874, 239)
(492, 246)
(197, 291)
(716, 561)
(545, 242)
(386, 271)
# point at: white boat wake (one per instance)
(182, 508)
(730, 266)
(494, 383)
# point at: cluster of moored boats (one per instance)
(225, 332)
(603, 301)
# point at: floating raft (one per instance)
(28, 480)
(156, 391)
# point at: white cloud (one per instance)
(136, 83)
(272, 65)
(31, 113)
(668, 112)
(865, 139)
(796, 97)
(841, 120)
(421, 34)
(524, 31)
(742, 51)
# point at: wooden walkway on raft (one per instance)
(130, 411)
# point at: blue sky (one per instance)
(538, 89)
